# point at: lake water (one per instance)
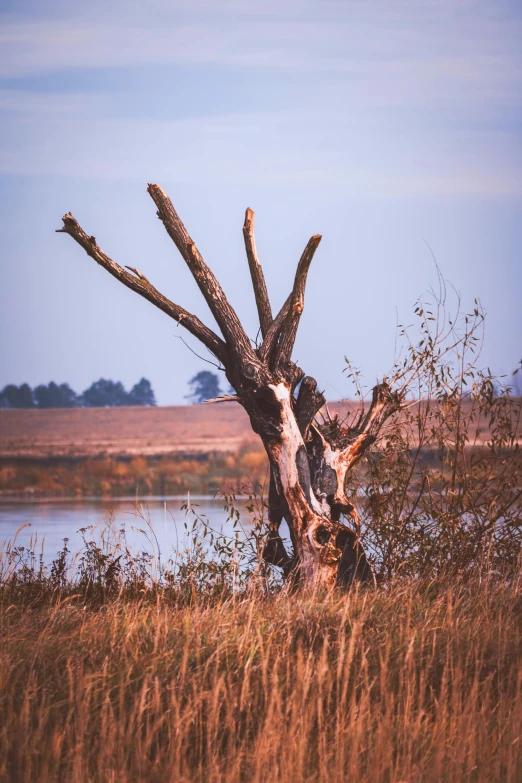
(52, 520)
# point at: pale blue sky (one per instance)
(382, 125)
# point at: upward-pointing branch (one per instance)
(383, 405)
(256, 273)
(139, 283)
(289, 330)
(225, 315)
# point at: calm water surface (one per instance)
(52, 520)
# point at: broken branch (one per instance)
(222, 398)
(290, 326)
(256, 273)
(218, 303)
(384, 403)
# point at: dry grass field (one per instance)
(418, 683)
(116, 667)
(93, 432)
(90, 432)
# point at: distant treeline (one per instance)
(101, 394)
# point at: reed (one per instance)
(415, 682)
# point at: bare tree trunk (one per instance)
(309, 460)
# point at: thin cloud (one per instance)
(330, 37)
(75, 136)
(387, 98)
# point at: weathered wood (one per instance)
(222, 398)
(225, 315)
(289, 330)
(313, 532)
(309, 460)
(256, 273)
(309, 402)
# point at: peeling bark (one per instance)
(309, 461)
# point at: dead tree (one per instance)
(309, 459)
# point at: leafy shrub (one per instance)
(442, 490)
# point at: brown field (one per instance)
(93, 432)
(120, 451)
(132, 431)
(115, 451)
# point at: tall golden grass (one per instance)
(118, 666)
(416, 682)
